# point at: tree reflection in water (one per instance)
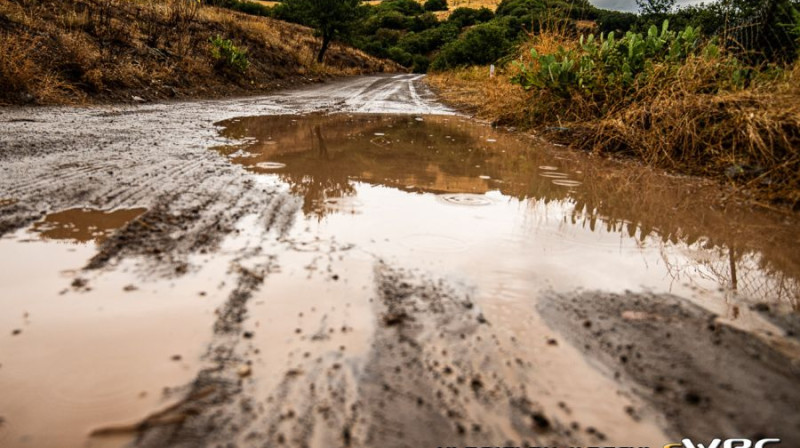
(326, 156)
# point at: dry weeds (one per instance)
(681, 120)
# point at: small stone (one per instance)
(244, 371)
(176, 357)
(15, 332)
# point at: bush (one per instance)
(423, 22)
(229, 55)
(469, 16)
(405, 7)
(421, 64)
(436, 5)
(483, 44)
(606, 64)
(401, 56)
(429, 40)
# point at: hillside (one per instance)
(76, 51)
(453, 4)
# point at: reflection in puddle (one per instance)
(589, 223)
(81, 225)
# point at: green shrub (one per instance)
(429, 40)
(405, 7)
(423, 22)
(607, 63)
(436, 5)
(421, 64)
(469, 16)
(229, 55)
(483, 44)
(401, 56)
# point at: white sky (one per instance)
(630, 5)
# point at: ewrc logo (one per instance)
(730, 443)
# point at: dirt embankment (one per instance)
(77, 51)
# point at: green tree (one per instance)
(655, 7)
(330, 18)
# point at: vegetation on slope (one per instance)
(71, 51)
(679, 100)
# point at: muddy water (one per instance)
(378, 280)
(444, 191)
(82, 225)
(86, 350)
(506, 220)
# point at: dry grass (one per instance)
(73, 51)
(680, 120)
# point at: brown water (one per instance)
(504, 217)
(82, 225)
(90, 349)
(425, 188)
(507, 218)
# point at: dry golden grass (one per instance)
(72, 51)
(680, 121)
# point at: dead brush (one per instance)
(23, 78)
(699, 116)
(750, 137)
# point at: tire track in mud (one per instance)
(706, 379)
(429, 379)
(192, 222)
(122, 156)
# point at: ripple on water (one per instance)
(553, 175)
(548, 168)
(270, 165)
(567, 183)
(471, 200)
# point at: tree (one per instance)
(330, 18)
(655, 7)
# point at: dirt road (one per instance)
(355, 265)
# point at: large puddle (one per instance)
(510, 219)
(484, 206)
(502, 218)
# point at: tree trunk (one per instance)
(326, 41)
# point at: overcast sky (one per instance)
(630, 5)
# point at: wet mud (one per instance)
(355, 265)
(706, 377)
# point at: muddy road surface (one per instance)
(355, 264)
